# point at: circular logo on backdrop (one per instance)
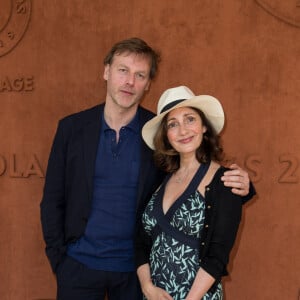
(285, 10)
(14, 19)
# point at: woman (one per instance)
(190, 223)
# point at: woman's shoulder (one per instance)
(216, 181)
(217, 170)
(214, 172)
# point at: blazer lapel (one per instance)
(146, 156)
(91, 137)
(146, 159)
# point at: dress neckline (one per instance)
(191, 188)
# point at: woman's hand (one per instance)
(153, 292)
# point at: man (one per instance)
(100, 175)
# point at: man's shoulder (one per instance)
(88, 114)
(145, 114)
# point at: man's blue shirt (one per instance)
(108, 240)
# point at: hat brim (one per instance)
(209, 105)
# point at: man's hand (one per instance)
(237, 179)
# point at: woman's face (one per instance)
(185, 129)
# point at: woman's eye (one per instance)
(172, 125)
(190, 120)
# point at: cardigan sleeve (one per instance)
(222, 225)
(143, 243)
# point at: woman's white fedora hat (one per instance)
(182, 96)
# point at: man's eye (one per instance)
(122, 70)
(140, 76)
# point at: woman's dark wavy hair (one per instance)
(167, 158)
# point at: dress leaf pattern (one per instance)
(174, 264)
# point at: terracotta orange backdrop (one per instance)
(244, 52)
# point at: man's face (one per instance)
(127, 79)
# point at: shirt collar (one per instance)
(133, 125)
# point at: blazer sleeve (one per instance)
(223, 227)
(251, 194)
(52, 206)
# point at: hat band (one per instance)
(172, 104)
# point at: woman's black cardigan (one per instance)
(222, 218)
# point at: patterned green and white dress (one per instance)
(174, 257)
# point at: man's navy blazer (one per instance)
(68, 189)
